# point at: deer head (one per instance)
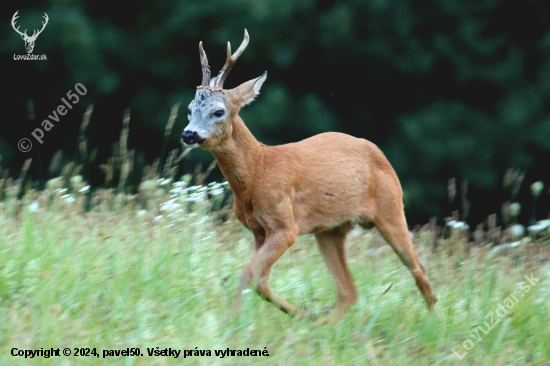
(213, 109)
(29, 41)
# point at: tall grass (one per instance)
(106, 269)
(120, 276)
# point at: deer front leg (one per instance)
(257, 272)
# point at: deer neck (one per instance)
(239, 158)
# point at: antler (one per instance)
(230, 61)
(205, 67)
(43, 26)
(15, 16)
(24, 34)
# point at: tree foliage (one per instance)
(445, 87)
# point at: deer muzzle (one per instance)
(189, 137)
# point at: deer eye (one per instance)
(218, 113)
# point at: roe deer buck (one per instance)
(323, 185)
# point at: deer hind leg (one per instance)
(332, 247)
(258, 270)
(393, 228)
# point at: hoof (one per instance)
(431, 303)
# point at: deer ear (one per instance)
(246, 92)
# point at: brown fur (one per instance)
(323, 185)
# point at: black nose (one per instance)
(191, 137)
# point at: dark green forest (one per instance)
(446, 88)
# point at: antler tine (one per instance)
(13, 19)
(230, 61)
(43, 24)
(205, 67)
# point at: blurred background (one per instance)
(448, 89)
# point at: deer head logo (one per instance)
(29, 41)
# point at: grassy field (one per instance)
(119, 276)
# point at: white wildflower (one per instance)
(458, 225)
(517, 230)
(217, 192)
(507, 245)
(84, 189)
(68, 198)
(176, 190)
(539, 226)
(33, 207)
